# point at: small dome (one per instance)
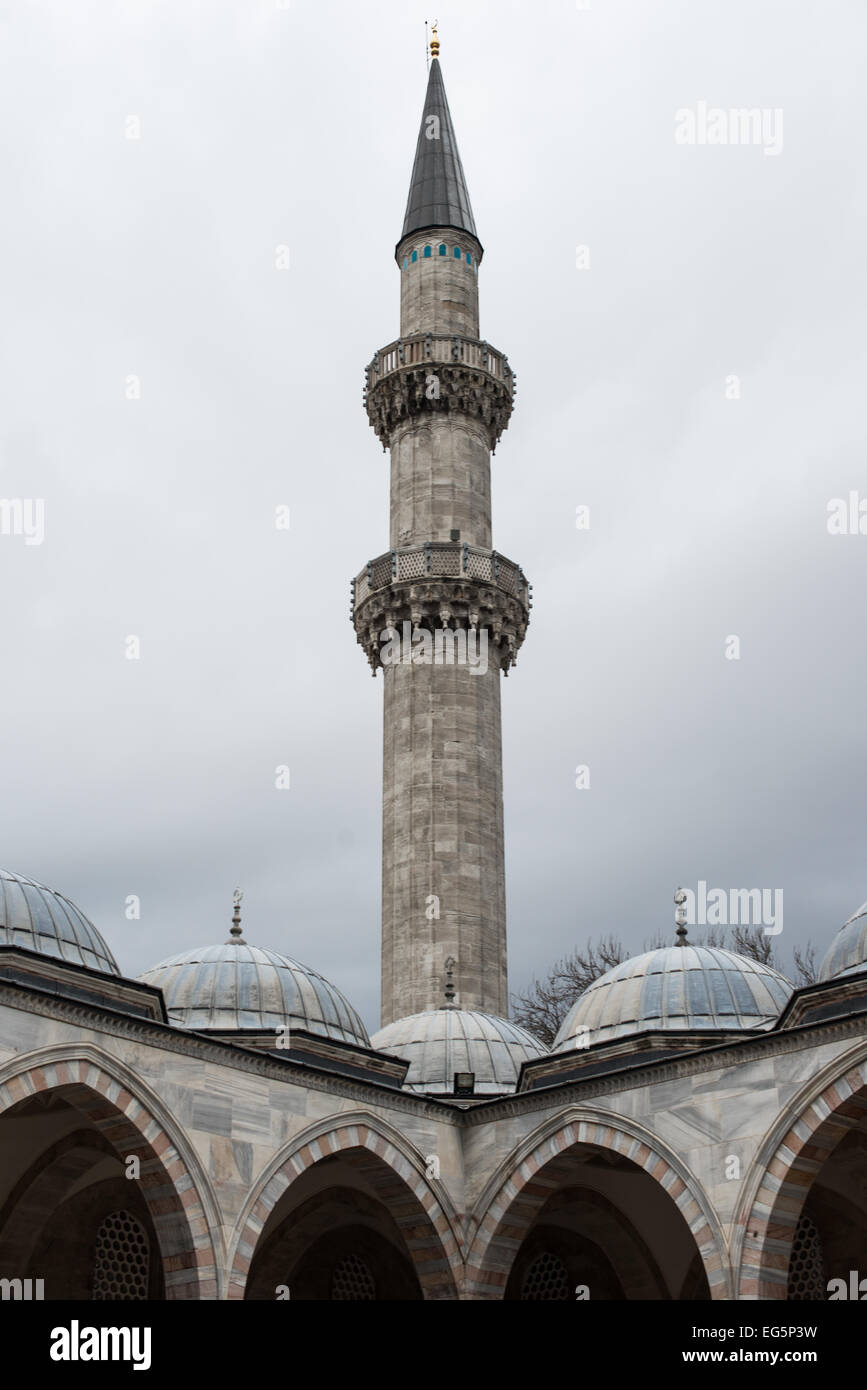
(847, 954)
(676, 987)
(233, 986)
(39, 919)
(443, 1041)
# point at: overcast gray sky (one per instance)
(155, 257)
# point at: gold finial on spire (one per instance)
(434, 43)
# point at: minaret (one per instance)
(441, 612)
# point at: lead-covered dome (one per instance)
(40, 919)
(847, 954)
(227, 988)
(234, 986)
(440, 1042)
(676, 987)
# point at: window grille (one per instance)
(546, 1278)
(122, 1259)
(352, 1280)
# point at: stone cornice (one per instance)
(813, 1003)
(169, 1039)
(772, 1044)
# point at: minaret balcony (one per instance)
(442, 584)
(431, 373)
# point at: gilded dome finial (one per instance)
(235, 937)
(680, 917)
(434, 42)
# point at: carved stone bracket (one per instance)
(433, 604)
(437, 388)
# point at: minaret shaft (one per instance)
(443, 880)
(444, 299)
(441, 481)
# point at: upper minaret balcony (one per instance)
(430, 374)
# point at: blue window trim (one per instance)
(426, 252)
(457, 253)
(414, 257)
(442, 248)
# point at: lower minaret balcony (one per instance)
(441, 586)
(429, 374)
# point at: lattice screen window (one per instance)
(352, 1280)
(121, 1264)
(546, 1278)
(807, 1265)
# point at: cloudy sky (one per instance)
(699, 386)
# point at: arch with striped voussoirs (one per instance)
(546, 1160)
(819, 1118)
(397, 1176)
(129, 1120)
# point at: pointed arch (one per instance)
(805, 1136)
(420, 1207)
(134, 1122)
(526, 1178)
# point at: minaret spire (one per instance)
(438, 195)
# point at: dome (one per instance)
(676, 987)
(39, 919)
(234, 986)
(847, 954)
(443, 1041)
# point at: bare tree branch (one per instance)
(806, 970)
(543, 1006)
(753, 942)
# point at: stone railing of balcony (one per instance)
(437, 372)
(441, 559)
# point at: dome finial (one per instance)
(235, 937)
(450, 984)
(680, 917)
(434, 43)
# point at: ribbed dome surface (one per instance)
(234, 986)
(440, 1042)
(676, 987)
(39, 919)
(847, 954)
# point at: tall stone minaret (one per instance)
(439, 399)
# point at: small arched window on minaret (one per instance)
(427, 251)
(414, 257)
(457, 253)
(442, 248)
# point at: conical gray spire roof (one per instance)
(438, 194)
